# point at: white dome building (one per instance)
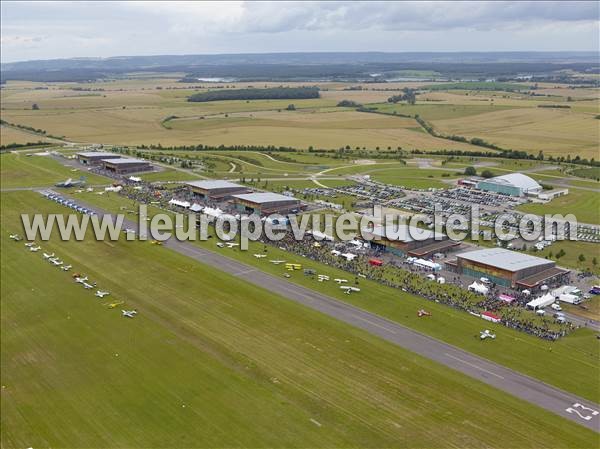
(514, 184)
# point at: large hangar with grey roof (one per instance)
(216, 189)
(507, 268)
(95, 157)
(264, 203)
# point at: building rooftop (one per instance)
(98, 154)
(214, 184)
(519, 180)
(264, 197)
(504, 259)
(402, 233)
(127, 160)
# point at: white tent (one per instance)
(179, 203)
(428, 264)
(478, 288)
(195, 207)
(541, 302)
(212, 212)
(349, 256)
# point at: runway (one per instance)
(524, 387)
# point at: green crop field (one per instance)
(205, 350)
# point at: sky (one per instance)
(49, 30)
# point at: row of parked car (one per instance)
(67, 202)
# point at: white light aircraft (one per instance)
(349, 290)
(29, 244)
(341, 281)
(66, 267)
(87, 286)
(57, 262)
(277, 262)
(129, 313)
(486, 334)
(101, 294)
(15, 237)
(260, 256)
(48, 256)
(231, 245)
(81, 280)
(35, 248)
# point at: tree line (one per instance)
(272, 93)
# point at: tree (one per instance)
(560, 254)
(35, 107)
(595, 261)
(581, 258)
(470, 171)
(290, 107)
(487, 174)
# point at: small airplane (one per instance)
(66, 267)
(322, 277)
(349, 290)
(34, 248)
(129, 313)
(112, 305)
(48, 256)
(128, 230)
(57, 262)
(81, 280)
(15, 237)
(423, 312)
(277, 262)
(231, 245)
(486, 334)
(220, 245)
(341, 281)
(70, 183)
(29, 244)
(87, 286)
(101, 294)
(260, 256)
(156, 242)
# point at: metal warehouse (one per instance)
(507, 268)
(216, 189)
(95, 157)
(513, 184)
(404, 240)
(266, 203)
(126, 165)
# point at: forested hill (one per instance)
(273, 93)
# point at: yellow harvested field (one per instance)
(555, 131)
(10, 135)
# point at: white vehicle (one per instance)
(87, 286)
(48, 256)
(260, 256)
(485, 280)
(129, 313)
(486, 334)
(277, 262)
(540, 312)
(349, 290)
(561, 319)
(66, 267)
(15, 237)
(101, 294)
(341, 281)
(35, 248)
(556, 306)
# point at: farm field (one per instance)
(19, 170)
(199, 356)
(513, 349)
(9, 135)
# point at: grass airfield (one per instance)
(206, 365)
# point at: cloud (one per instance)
(43, 30)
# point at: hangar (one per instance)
(404, 240)
(507, 268)
(95, 157)
(216, 189)
(264, 203)
(513, 184)
(126, 165)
